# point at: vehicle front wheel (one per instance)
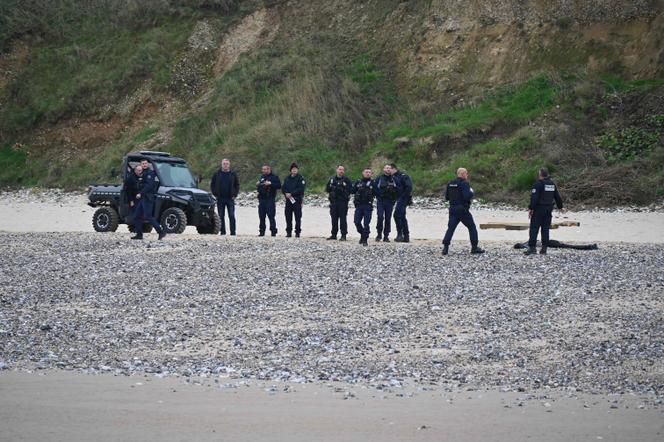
(210, 227)
(105, 219)
(174, 220)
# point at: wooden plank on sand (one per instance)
(510, 225)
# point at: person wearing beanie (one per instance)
(293, 190)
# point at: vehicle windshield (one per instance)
(174, 175)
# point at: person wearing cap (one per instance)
(293, 190)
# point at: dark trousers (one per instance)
(541, 219)
(290, 211)
(224, 204)
(338, 214)
(143, 211)
(363, 213)
(400, 217)
(267, 207)
(384, 217)
(459, 214)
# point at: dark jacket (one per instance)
(386, 188)
(268, 192)
(131, 186)
(148, 186)
(225, 184)
(339, 189)
(295, 186)
(459, 193)
(364, 190)
(404, 185)
(544, 194)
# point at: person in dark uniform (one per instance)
(145, 202)
(339, 188)
(460, 195)
(404, 199)
(542, 197)
(293, 190)
(364, 196)
(267, 186)
(132, 184)
(386, 196)
(225, 186)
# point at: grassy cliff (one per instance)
(430, 85)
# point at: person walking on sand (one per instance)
(364, 190)
(460, 195)
(145, 203)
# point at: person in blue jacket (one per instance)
(267, 186)
(145, 203)
(540, 209)
(364, 190)
(460, 195)
(386, 195)
(404, 199)
(293, 190)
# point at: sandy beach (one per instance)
(271, 339)
(70, 213)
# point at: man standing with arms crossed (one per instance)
(225, 186)
(460, 195)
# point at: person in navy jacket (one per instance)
(460, 195)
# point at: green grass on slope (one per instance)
(83, 75)
(431, 161)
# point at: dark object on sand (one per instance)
(553, 244)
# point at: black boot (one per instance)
(261, 234)
(530, 251)
(446, 249)
(363, 241)
(386, 239)
(288, 235)
(476, 250)
(343, 238)
(543, 250)
(297, 235)
(378, 238)
(137, 236)
(162, 234)
(399, 238)
(274, 233)
(406, 238)
(332, 238)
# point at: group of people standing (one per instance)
(392, 190)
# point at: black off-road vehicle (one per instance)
(178, 200)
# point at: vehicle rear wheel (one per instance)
(210, 227)
(173, 220)
(105, 219)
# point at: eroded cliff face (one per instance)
(463, 47)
